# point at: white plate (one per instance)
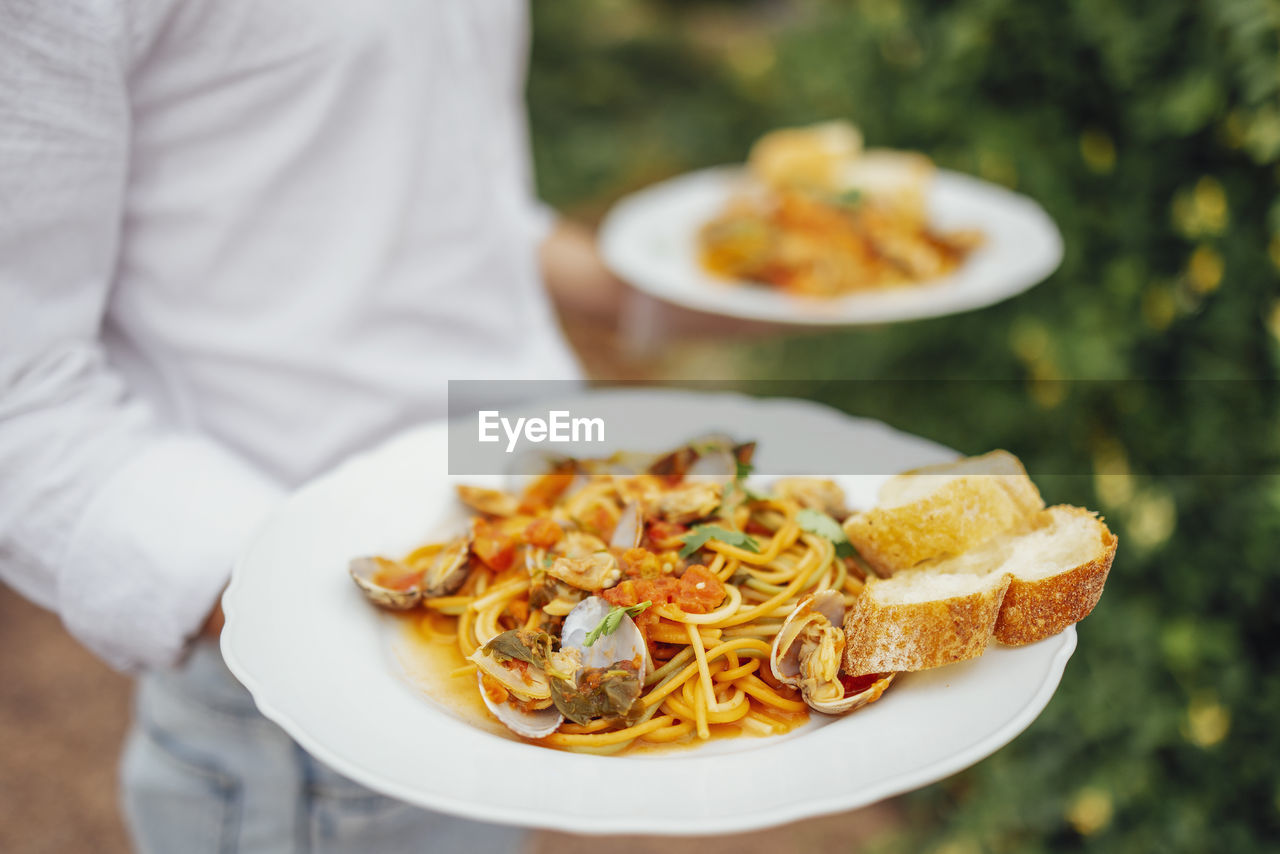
(322, 663)
(650, 240)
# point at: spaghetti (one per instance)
(705, 569)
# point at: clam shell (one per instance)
(530, 724)
(594, 572)
(539, 724)
(717, 466)
(493, 502)
(364, 569)
(710, 457)
(527, 467)
(853, 701)
(784, 658)
(448, 569)
(578, 544)
(630, 528)
(625, 644)
(538, 689)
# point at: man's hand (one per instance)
(593, 302)
(212, 628)
(575, 275)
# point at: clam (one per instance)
(530, 724)
(809, 650)
(513, 681)
(611, 676)
(714, 465)
(597, 571)
(387, 583)
(687, 502)
(578, 544)
(714, 457)
(543, 477)
(527, 466)
(493, 502)
(625, 643)
(547, 592)
(630, 528)
(448, 568)
(682, 460)
(814, 493)
(531, 689)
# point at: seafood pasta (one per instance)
(823, 217)
(642, 599)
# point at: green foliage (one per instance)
(1139, 380)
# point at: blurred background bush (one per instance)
(1150, 131)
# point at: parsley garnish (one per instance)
(697, 538)
(613, 619)
(739, 484)
(819, 523)
(849, 198)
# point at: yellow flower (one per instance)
(1047, 389)
(1158, 307)
(1204, 270)
(1112, 479)
(1152, 518)
(1029, 339)
(1208, 721)
(1210, 202)
(1098, 151)
(998, 168)
(1273, 319)
(752, 58)
(1090, 810)
(1201, 210)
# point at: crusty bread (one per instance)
(1018, 587)
(812, 157)
(945, 509)
(920, 621)
(896, 179)
(1056, 576)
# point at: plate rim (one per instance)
(817, 312)
(753, 819)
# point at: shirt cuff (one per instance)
(154, 548)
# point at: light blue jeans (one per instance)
(203, 771)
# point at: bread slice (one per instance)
(1044, 598)
(1019, 588)
(899, 180)
(919, 619)
(812, 157)
(944, 509)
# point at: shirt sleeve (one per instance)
(542, 220)
(124, 527)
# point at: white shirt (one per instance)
(240, 239)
